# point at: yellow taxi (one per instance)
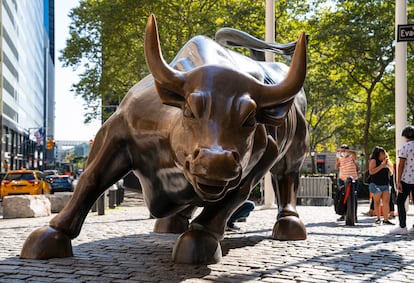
(24, 182)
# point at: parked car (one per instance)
(20, 182)
(60, 183)
(50, 172)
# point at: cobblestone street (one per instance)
(121, 247)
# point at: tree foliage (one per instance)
(350, 81)
(354, 53)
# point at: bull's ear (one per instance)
(169, 97)
(274, 115)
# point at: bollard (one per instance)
(100, 203)
(112, 196)
(93, 209)
(120, 195)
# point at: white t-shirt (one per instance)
(407, 152)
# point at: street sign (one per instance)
(405, 33)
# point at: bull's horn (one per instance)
(164, 75)
(291, 85)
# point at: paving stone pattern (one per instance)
(121, 247)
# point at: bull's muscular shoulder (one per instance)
(144, 109)
(201, 51)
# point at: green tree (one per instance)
(355, 42)
(410, 79)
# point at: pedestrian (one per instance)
(240, 215)
(380, 169)
(405, 179)
(393, 197)
(346, 163)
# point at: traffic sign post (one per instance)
(402, 31)
(405, 33)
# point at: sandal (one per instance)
(378, 221)
(388, 222)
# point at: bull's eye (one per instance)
(187, 112)
(250, 120)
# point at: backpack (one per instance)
(339, 205)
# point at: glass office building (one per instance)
(27, 83)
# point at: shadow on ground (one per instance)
(147, 258)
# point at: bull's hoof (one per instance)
(45, 243)
(289, 228)
(197, 247)
(175, 224)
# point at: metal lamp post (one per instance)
(313, 161)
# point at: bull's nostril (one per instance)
(187, 166)
(236, 156)
(196, 152)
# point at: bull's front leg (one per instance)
(201, 243)
(107, 163)
(288, 225)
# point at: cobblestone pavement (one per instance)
(121, 247)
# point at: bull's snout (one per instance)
(213, 172)
(211, 164)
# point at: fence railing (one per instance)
(315, 191)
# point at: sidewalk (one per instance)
(121, 247)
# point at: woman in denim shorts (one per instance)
(380, 170)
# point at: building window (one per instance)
(8, 87)
(10, 43)
(10, 66)
(9, 12)
(8, 111)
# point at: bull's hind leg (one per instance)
(288, 225)
(108, 161)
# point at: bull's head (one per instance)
(219, 138)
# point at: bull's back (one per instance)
(202, 51)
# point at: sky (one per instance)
(69, 113)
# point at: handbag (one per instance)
(366, 177)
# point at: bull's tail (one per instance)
(230, 37)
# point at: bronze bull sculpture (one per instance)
(194, 134)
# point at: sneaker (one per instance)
(342, 218)
(399, 231)
(378, 221)
(232, 227)
(411, 230)
(387, 222)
